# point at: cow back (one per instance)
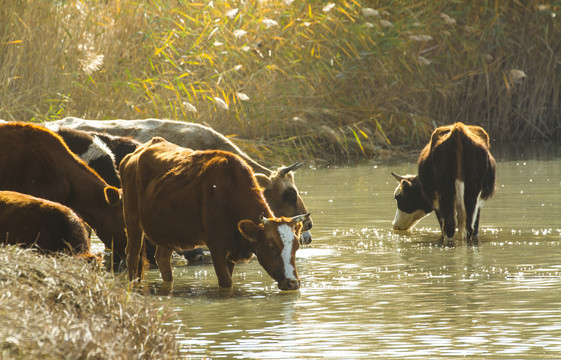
(188, 135)
(26, 158)
(454, 152)
(175, 191)
(49, 226)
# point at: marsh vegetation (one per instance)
(61, 307)
(292, 79)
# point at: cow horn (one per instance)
(398, 177)
(300, 218)
(285, 170)
(263, 220)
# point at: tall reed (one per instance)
(290, 78)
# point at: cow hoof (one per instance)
(446, 242)
(474, 241)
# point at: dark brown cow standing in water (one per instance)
(36, 161)
(180, 199)
(51, 227)
(456, 176)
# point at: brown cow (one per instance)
(180, 199)
(280, 191)
(36, 161)
(456, 176)
(51, 227)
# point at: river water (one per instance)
(369, 292)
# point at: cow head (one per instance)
(275, 243)
(411, 205)
(111, 224)
(283, 197)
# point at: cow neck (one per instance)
(261, 208)
(88, 197)
(421, 198)
(244, 251)
(257, 168)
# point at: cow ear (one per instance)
(263, 180)
(249, 230)
(112, 195)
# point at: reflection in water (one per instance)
(369, 292)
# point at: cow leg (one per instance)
(163, 260)
(448, 218)
(231, 265)
(439, 218)
(133, 251)
(470, 201)
(222, 267)
(475, 236)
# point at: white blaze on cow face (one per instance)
(287, 237)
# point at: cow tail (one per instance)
(488, 188)
(459, 141)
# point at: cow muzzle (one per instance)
(289, 284)
(305, 238)
(405, 221)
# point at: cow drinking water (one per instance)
(180, 199)
(456, 176)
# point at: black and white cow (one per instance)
(92, 150)
(456, 176)
(120, 146)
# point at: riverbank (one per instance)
(63, 308)
(293, 80)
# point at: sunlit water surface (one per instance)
(369, 292)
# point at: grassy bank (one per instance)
(62, 308)
(296, 79)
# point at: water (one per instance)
(369, 292)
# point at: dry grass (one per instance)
(63, 308)
(295, 79)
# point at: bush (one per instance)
(62, 308)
